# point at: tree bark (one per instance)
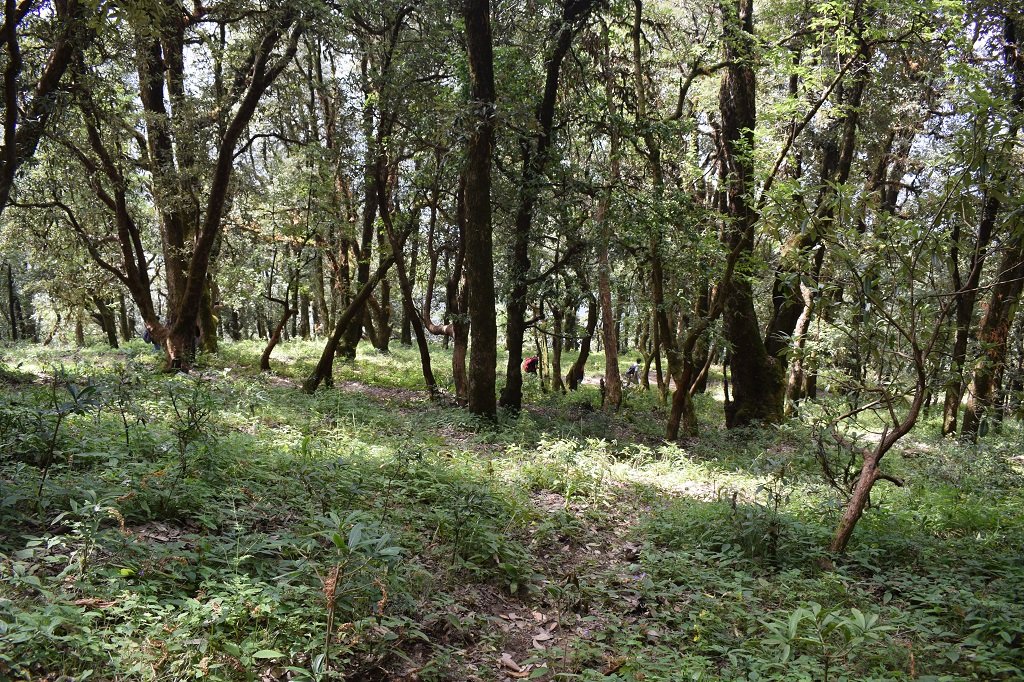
(575, 375)
(105, 318)
(372, 163)
(478, 235)
(966, 298)
(994, 328)
(275, 336)
(558, 316)
(21, 134)
(405, 284)
(758, 386)
(993, 333)
(122, 318)
(304, 325)
(536, 153)
(324, 370)
(609, 320)
(12, 303)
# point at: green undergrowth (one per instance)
(224, 525)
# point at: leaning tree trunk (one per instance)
(405, 284)
(324, 370)
(275, 336)
(25, 122)
(575, 375)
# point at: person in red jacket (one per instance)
(531, 364)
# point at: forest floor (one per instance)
(224, 525)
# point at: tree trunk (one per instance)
(612, 378)
(275, 336)
(795, 389)
(966, 297)
(406, 334)
(320, 295)
(122, 318)
(993, 332)
(105, 318)
(354, 331)
(536, 153)
(460, 349)
(858, 501)
(79, 331)
(304, 325)
(12, 303)
(556, 350)
(479, 247)
(575, 375)
(758, 386)
(609, 319)
(207, 322)
(405, 284)
(26, 121)
(235, 326)
(997, 320)
(324, 370)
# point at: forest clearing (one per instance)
(498, 340)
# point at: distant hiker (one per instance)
(531, 364)
(147, 336)
(633, 373)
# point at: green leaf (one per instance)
(268, 653)
(355, 535)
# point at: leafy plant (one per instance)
(831, 635)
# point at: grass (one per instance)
(226, 525)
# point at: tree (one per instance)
(31, 91)
(994, 328)
(190, 194)
(757, 378)
(478, 235)
(536, 147)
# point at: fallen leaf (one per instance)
(539, 617)
(613, 664)
(98, 603)
(542, 636)
(506, 661)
